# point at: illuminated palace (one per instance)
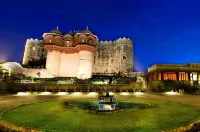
(77, 54)
(189, 72)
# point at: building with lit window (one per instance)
(177, 72)
(76, 54)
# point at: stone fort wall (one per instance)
(37, 73)
(34, 50)
(114, 56)
(109, 57)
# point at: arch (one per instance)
(91, 39)
(49, 39)
(82, 38)
(144, 82)
(68, 37)
(58, 40)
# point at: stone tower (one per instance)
(71, 54)
(114, 56)
(34, 50)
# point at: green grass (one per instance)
(53, 117)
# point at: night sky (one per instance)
(163, 31)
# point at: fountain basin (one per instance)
(94, 106)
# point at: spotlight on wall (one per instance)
(138, 93)
(172, 93)
(45, 93)
(125, 93)
(23, 93)
(62, 93)
(92, 94)
(111, 93)
(76, 93)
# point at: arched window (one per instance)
(124, 57)
(82, 38)
(67, 43)
(49, 39)
(83, 41)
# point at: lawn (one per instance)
(53, 117)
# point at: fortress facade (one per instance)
(78, 54)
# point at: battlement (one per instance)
(34, 50)
(117, 41)
(32, 41)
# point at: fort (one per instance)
(77, 54)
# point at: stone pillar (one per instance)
(188, 76)
(162, 74)
(150, 77)
(156, 76)
(177, 76)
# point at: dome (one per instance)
(57, 31)
(67, 36)
(87, 31)
(58, 40)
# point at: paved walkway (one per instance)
(9, 101)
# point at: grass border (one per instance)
(12, 126)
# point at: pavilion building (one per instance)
(177, 72)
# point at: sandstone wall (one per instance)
(110, 57)
(53, 62)
(85, 64)
(114, 56)
(38, 73)
(34, 50)
(69, 65)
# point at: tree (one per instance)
(1, 71)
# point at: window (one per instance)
(83, 41)
(33, 48)
(67, 43)
(124, 57)
(50, 41)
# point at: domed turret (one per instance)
(68, 39)
(58, 40)
(86, 37)
(54, 37)
(87, 31)
(67, 36)
(56, 31)
(73, 51)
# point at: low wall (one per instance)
(11, 127)
(104, 112)
(42, 73)
(16, 87)
(183, 128)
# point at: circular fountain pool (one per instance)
(96, 107)
(105, 104)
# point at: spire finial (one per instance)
(87, 27)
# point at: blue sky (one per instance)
(163, 31)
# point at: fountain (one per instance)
(107, 102)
